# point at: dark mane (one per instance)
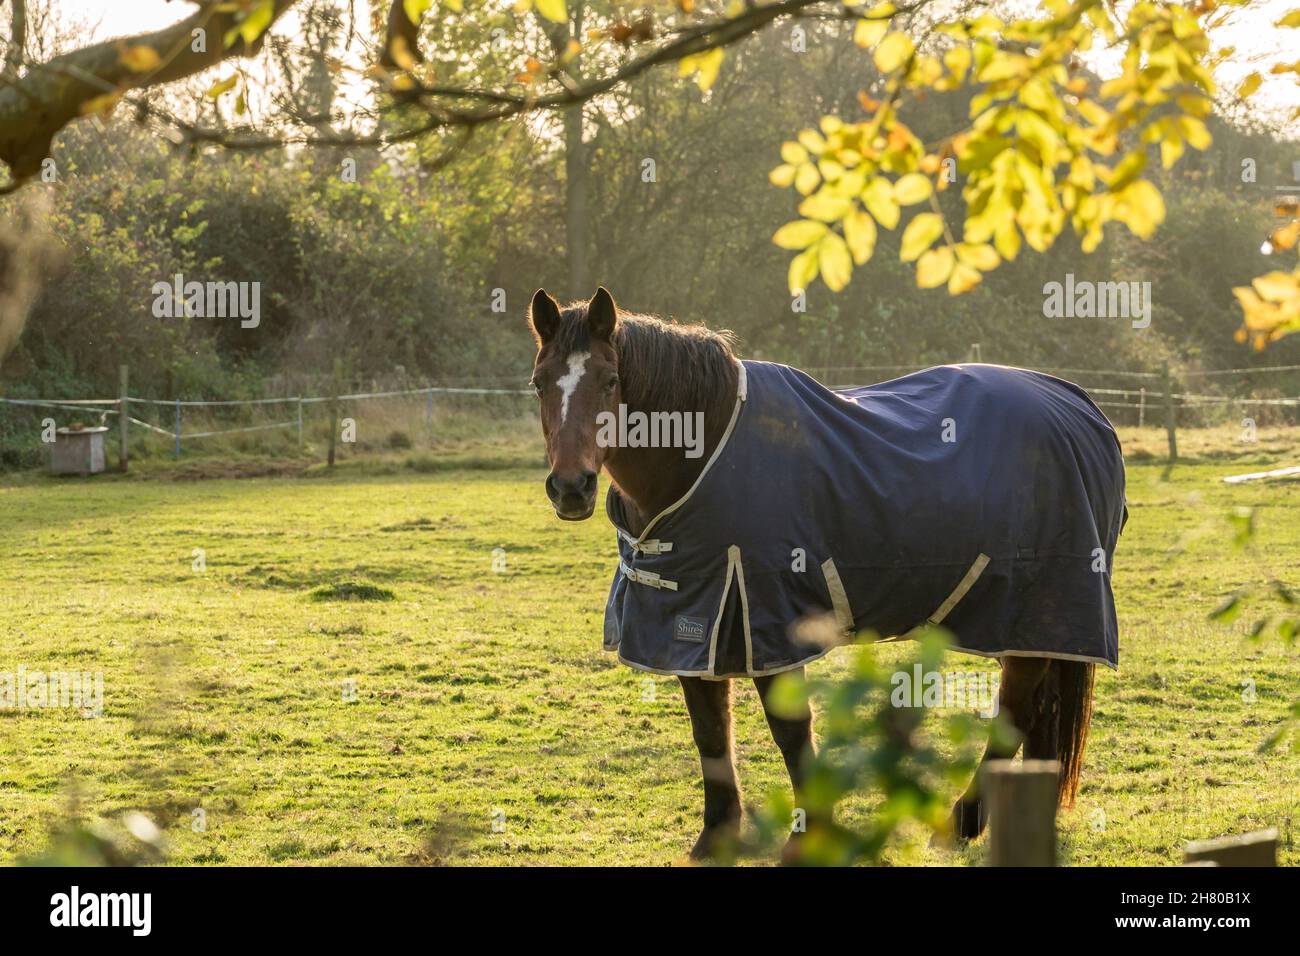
(663, 366)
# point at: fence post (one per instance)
(178, 428)
(1142, 406)
(428, 414)
(123, 419)
(1022, 811)
(334, 409)
(300, 423)
(1249, 849)
(1170, 412)
(975, 352)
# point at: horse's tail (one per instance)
(1076, 685)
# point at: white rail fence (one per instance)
(1138, 397)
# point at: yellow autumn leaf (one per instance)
(1141, 208)
(1290, 19)
(963, 279)
(869, 32)
(100, 104)
(1249, 85)
(978, 255)
(1007, 240)
(782, 176)
(799, 234)
(553, 10)
(919, 235)
(911, 189)
(1195, 132)
(860, 234)
(806, 178)
(834, 262)
(893, 52)
(826, 206)
(415, 9)
(140, 58)
(880, 202)
(803, 269)
(1276, 286)
(400, 51)
(703, 65)
(934, 267)
(792, 152)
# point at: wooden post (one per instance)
(178, 428)
(123, 418)
(1022, 811)
(300, 423)
(975, 352)
(1248, 849)
(428, 414)
(1170, 413)
(334, 409)
(1142, 406)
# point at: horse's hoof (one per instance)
(718, 842)
(968, 819)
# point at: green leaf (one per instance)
(1228, 611)
(222, 86)
(253, 25)
(919, 235)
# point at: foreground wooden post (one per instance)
(123, 419)
(1022, 811)
(1248, 849)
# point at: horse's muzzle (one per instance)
(573, 496)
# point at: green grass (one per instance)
(478, 691)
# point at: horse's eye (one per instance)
(536, 387)
(612, 383)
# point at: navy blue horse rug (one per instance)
(983, 498)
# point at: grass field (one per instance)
(483, 696)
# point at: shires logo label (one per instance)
(690, 629)
(75, 908)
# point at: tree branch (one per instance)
(51, 95)
(17, 38)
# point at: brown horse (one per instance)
(590, 360)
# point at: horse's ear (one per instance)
(602, 315)
(543, 316)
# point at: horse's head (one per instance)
(575, 375)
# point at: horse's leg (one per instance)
(794, 736)
(709, 704)
(1042, 739)
(1021, 677)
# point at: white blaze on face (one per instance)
(569, 381)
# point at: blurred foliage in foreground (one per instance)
(916, 762)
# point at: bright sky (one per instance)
(1258, 44)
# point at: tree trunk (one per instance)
(577, 222)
